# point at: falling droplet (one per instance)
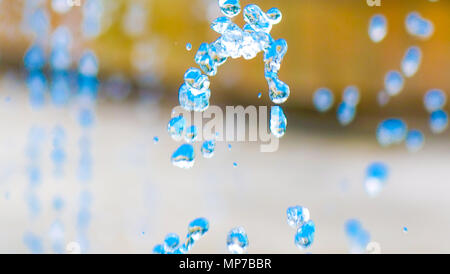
(393, 83)
(438, 121)
(188, 46)
(208, 148)
(274, 15)
(237, 241)
(418, 26)
(191, 134)
(345, 113)
(230, 8)
(376, 176)
(378, 28)
(391, 131)
(184, 156)
(411, 61)
(434, 99)
(323, 99)
(155, 139)
(305, 235)
(414, 140)
(171, 242)
(297, 216)
(278, 121)
(176, 127)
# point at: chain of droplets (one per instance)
(196, 229)
(298, 217)
(234, 42)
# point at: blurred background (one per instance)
(95, 175)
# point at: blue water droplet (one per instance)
(155, 139)
(208, 148)
(34, 58)
(345, 113)
(230, 8)
(188, 46)
(414, 140)
(259, 95)
(323, 99)
(192, 100)
(278, 121)
(278, 91)
(305, 235)
(191, 134)
(357, 235)
(237, 241)
(297, 216)
(434, 99)
(171, 242)
(405, 229)
(351, 96)
(176, 127)
(438, 121)
(378, 28)
(393, 83)
(235, 164)
(88, 65)
(184, 156)
(376, 176)
(274, 15)
(391, 131)
(418, 26)
(257, 19)
(158, 249)
(411, 61)
(196, 80)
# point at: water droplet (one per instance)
(305, 235)
(278, 121)
(171, 242)
(393, 83)
(414, 140)
(378, 28)
(376, 176)
(88, 65)
(391, 131)
(188, 46)
(192, 100)
(411, 61)
(235, 164)
(158, 249)
(208, 148)
(405, 229)
(229, 146)
(297, 216)
(257, 19)
(434, 99)
(196, 229)
(237, 241)
(358, 237)
(351, 96)
(418, 26)
(191, 134)
(34, 58)
(155, 139)
(230, 8)
(438, 121)
(259, 95)
(184, 156)
(345, 113)
(196, 80)
(323, 99)
(274, 15)
(176, 127)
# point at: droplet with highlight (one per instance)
(378, 28)
(184, 156)
(237, 241)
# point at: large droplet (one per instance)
(274, 15)
(391, 131)
(418, 26)
(278, 121)
(378, 28)
(184, 156)
(237, 241)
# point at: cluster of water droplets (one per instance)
(172, 245)
(233, 42)
(298, 217)
(237, 240)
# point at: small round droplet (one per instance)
(237, 241)
(230, 8)
(305, 235)
(297, 216)
(393, 83)
(438, 121)
(414, 140)
(188, 46)
(235, 164)
(405, 229)
(191, 134)
(323, 99)
(391, 131)
(155, 139)
(378, 28)
(208, 148)
(345, 113)
(376, 176)
(434, 99)
(176, 127)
